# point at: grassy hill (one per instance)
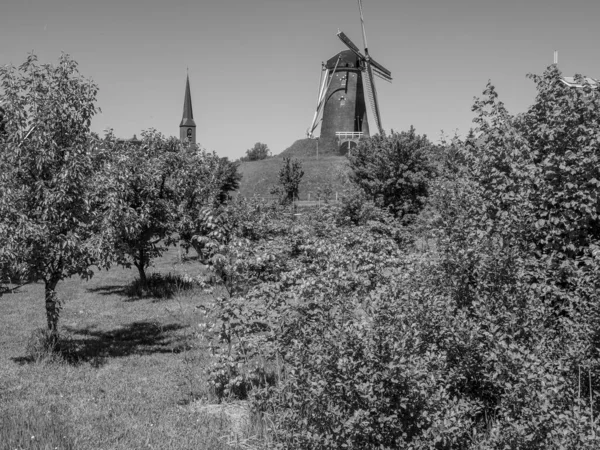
(260, 176)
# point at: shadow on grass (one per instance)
(109, 290)
(81, 345)
(158, 287)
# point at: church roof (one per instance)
(188, 114)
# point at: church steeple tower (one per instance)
(187, 127)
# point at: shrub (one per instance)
(290, 175)
(258, 152)
(487, 341)
(393, 171)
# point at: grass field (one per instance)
(258, 177)
(134, 379)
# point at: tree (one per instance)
(546, 161)
(290, 175)
(229, 179)
(47, 189)
(258, 152)
(394, 171)
(142, 197)
(155, 194)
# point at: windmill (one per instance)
(341, 100)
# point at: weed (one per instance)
(50, 347)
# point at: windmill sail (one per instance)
(322, 92)
(346, 40)
(327, 79)
(372, 94)
(383, 72)
(369, 80)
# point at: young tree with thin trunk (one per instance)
(290, 175)
(140, 199)
(47, 195)
(152, 193)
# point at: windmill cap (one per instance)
(347, 59)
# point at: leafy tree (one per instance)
(143, 188)
(545, 162)
(258, 152)
(47, 189)
(290, 175)
(205, 188)
(157, 193)
(229, 179)
(394, 171)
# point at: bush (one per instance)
(258, 152)
(488, 341)
(394, 172)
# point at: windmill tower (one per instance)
(341, 103)
(187, 127)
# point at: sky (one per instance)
(255, 65)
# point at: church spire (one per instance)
(187, 127)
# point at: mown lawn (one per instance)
(133, 378)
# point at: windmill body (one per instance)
(341, 102)
(344, 107)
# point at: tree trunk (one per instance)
(142, 272)
(52, 306)
(141, 266)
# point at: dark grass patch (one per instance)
(87, 345)
(137, 338)
(159, 286)
(108, 290)
(43, 346)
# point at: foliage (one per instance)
(325, 192)
(2, 120)
(394, 171)
(206, 185)
(290, 175)
(141, 198)
(343, 335)
(258, 152)
(229, 179)
(47, 182)
(153, 191)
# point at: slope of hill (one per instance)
(308, 148)
(260, 176)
